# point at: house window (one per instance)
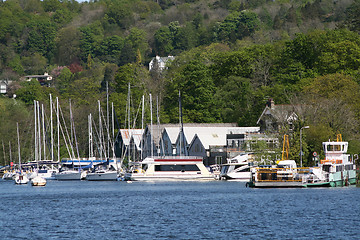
(218, 159)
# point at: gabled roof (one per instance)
(174, 129)
(215, 136)
(136, 134)
(282, 113)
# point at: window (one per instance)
(176, 168)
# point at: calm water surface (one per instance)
(176, 210)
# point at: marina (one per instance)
(180, 210)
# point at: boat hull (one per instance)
(21, 179)
(103, 176)
(167, 177)
(68, 175)
(38, 181)
(273, 184)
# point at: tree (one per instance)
(237, 25)
(197, 90)
(42, 38)
(352, 20)
(163, 41)
(34, 64)
(68, 46)
(31, 91)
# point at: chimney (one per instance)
(270, 103)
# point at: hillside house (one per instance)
(44, 80)
(275, 117)
(160, 62)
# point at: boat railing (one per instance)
(281, 174)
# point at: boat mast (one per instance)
(73, 132)
(9, 151)
(58, 128)
(142, 126)
(4, 151)
(151, 127)
(107, 117)
(51, 130)
(100, 131)
(43, 129)
(182, 136)
(35, 131)
(38, 130)
(113, 130)
(17, 129)
(91, 150)
(129, 123)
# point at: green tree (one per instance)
(197, 90)
(163, 41)
(68, 46)
(237, 25)
(42, 37)
(31, 91)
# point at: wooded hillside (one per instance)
(230, 57)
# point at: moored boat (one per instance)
(169, 168)
(21, 178)
(70, 175)
(237, 168)
(284, 174)
(337, 169)
(38, 181)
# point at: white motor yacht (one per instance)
(236, 168)
(170, 168)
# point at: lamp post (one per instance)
(301, 152)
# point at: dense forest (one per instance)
(231, 56)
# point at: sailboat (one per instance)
(106, 171)
(66, 172)
(20, 177)
(41, 168)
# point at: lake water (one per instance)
(176, 210)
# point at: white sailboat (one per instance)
(66, 172)
(20, 177)
(108, 170)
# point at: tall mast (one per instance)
(182, 136)
(9, 152)
(4, 152)
(151, 127)
(17, 129)
(129, 118)
(113, 130)
(142, 125)
(35, 131)
(58, 127)
(51, 130)
(100, 131)
(91, 151)
(180, 120)
(72, 125)
(107, 117)
(43, 129)
(39, 129)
